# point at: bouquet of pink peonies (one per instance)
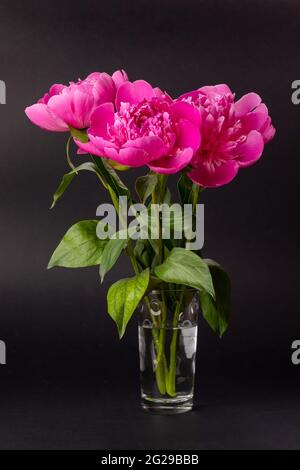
(204, 137)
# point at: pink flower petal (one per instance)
(221, 89)
(212, 176)
(81, 105)
(112, 153)
(189, 135)
(100, 119)
(119, 77)
(60, 105)
(253, 121)
(43, 117)
(190, 94)
(158, 93)
(173, 163)
(269, 132)
(92, 77)
(262, 108)
(134, 92)
(54, 90)
(88, 148)
(127, 157)
(100, 143)
(184, 110)
(130, 156)
(246, 104)
(103, 89)
(153, 145)
(73, 107)
(250, 151)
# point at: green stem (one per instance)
(68, 154)
(161, 367)
(160, 370)
(164, 179)
(132, 257)
(161, 358)
(196, 191)
(162, 334)
(171, 377)
(159, 334)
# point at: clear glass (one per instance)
(168, 323)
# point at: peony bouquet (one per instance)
(204, 137)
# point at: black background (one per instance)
(69, 382)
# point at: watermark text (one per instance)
(296, 354)
(2, 92)
(140, 222)
(295, 97)
(2, 353)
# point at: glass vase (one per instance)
(168, 322)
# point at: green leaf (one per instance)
(124, 296)
(117, 166)
(80, 135)
(143, 252)
(111, 178)
(167, 197)
(68, 178)
(185, 267)
(154, 282)
(80, 247)
(145, 186)
(111, 252)
(216, 312)
(185, 186)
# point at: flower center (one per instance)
(148, 118)
(221, 131)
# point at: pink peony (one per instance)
(147, 128)
(233, 133)
(71, 106)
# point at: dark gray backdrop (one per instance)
(69, 382)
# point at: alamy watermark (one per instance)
(296, 354)
(2, 352)
(2, 92)
(156, 221)
(295, 97)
